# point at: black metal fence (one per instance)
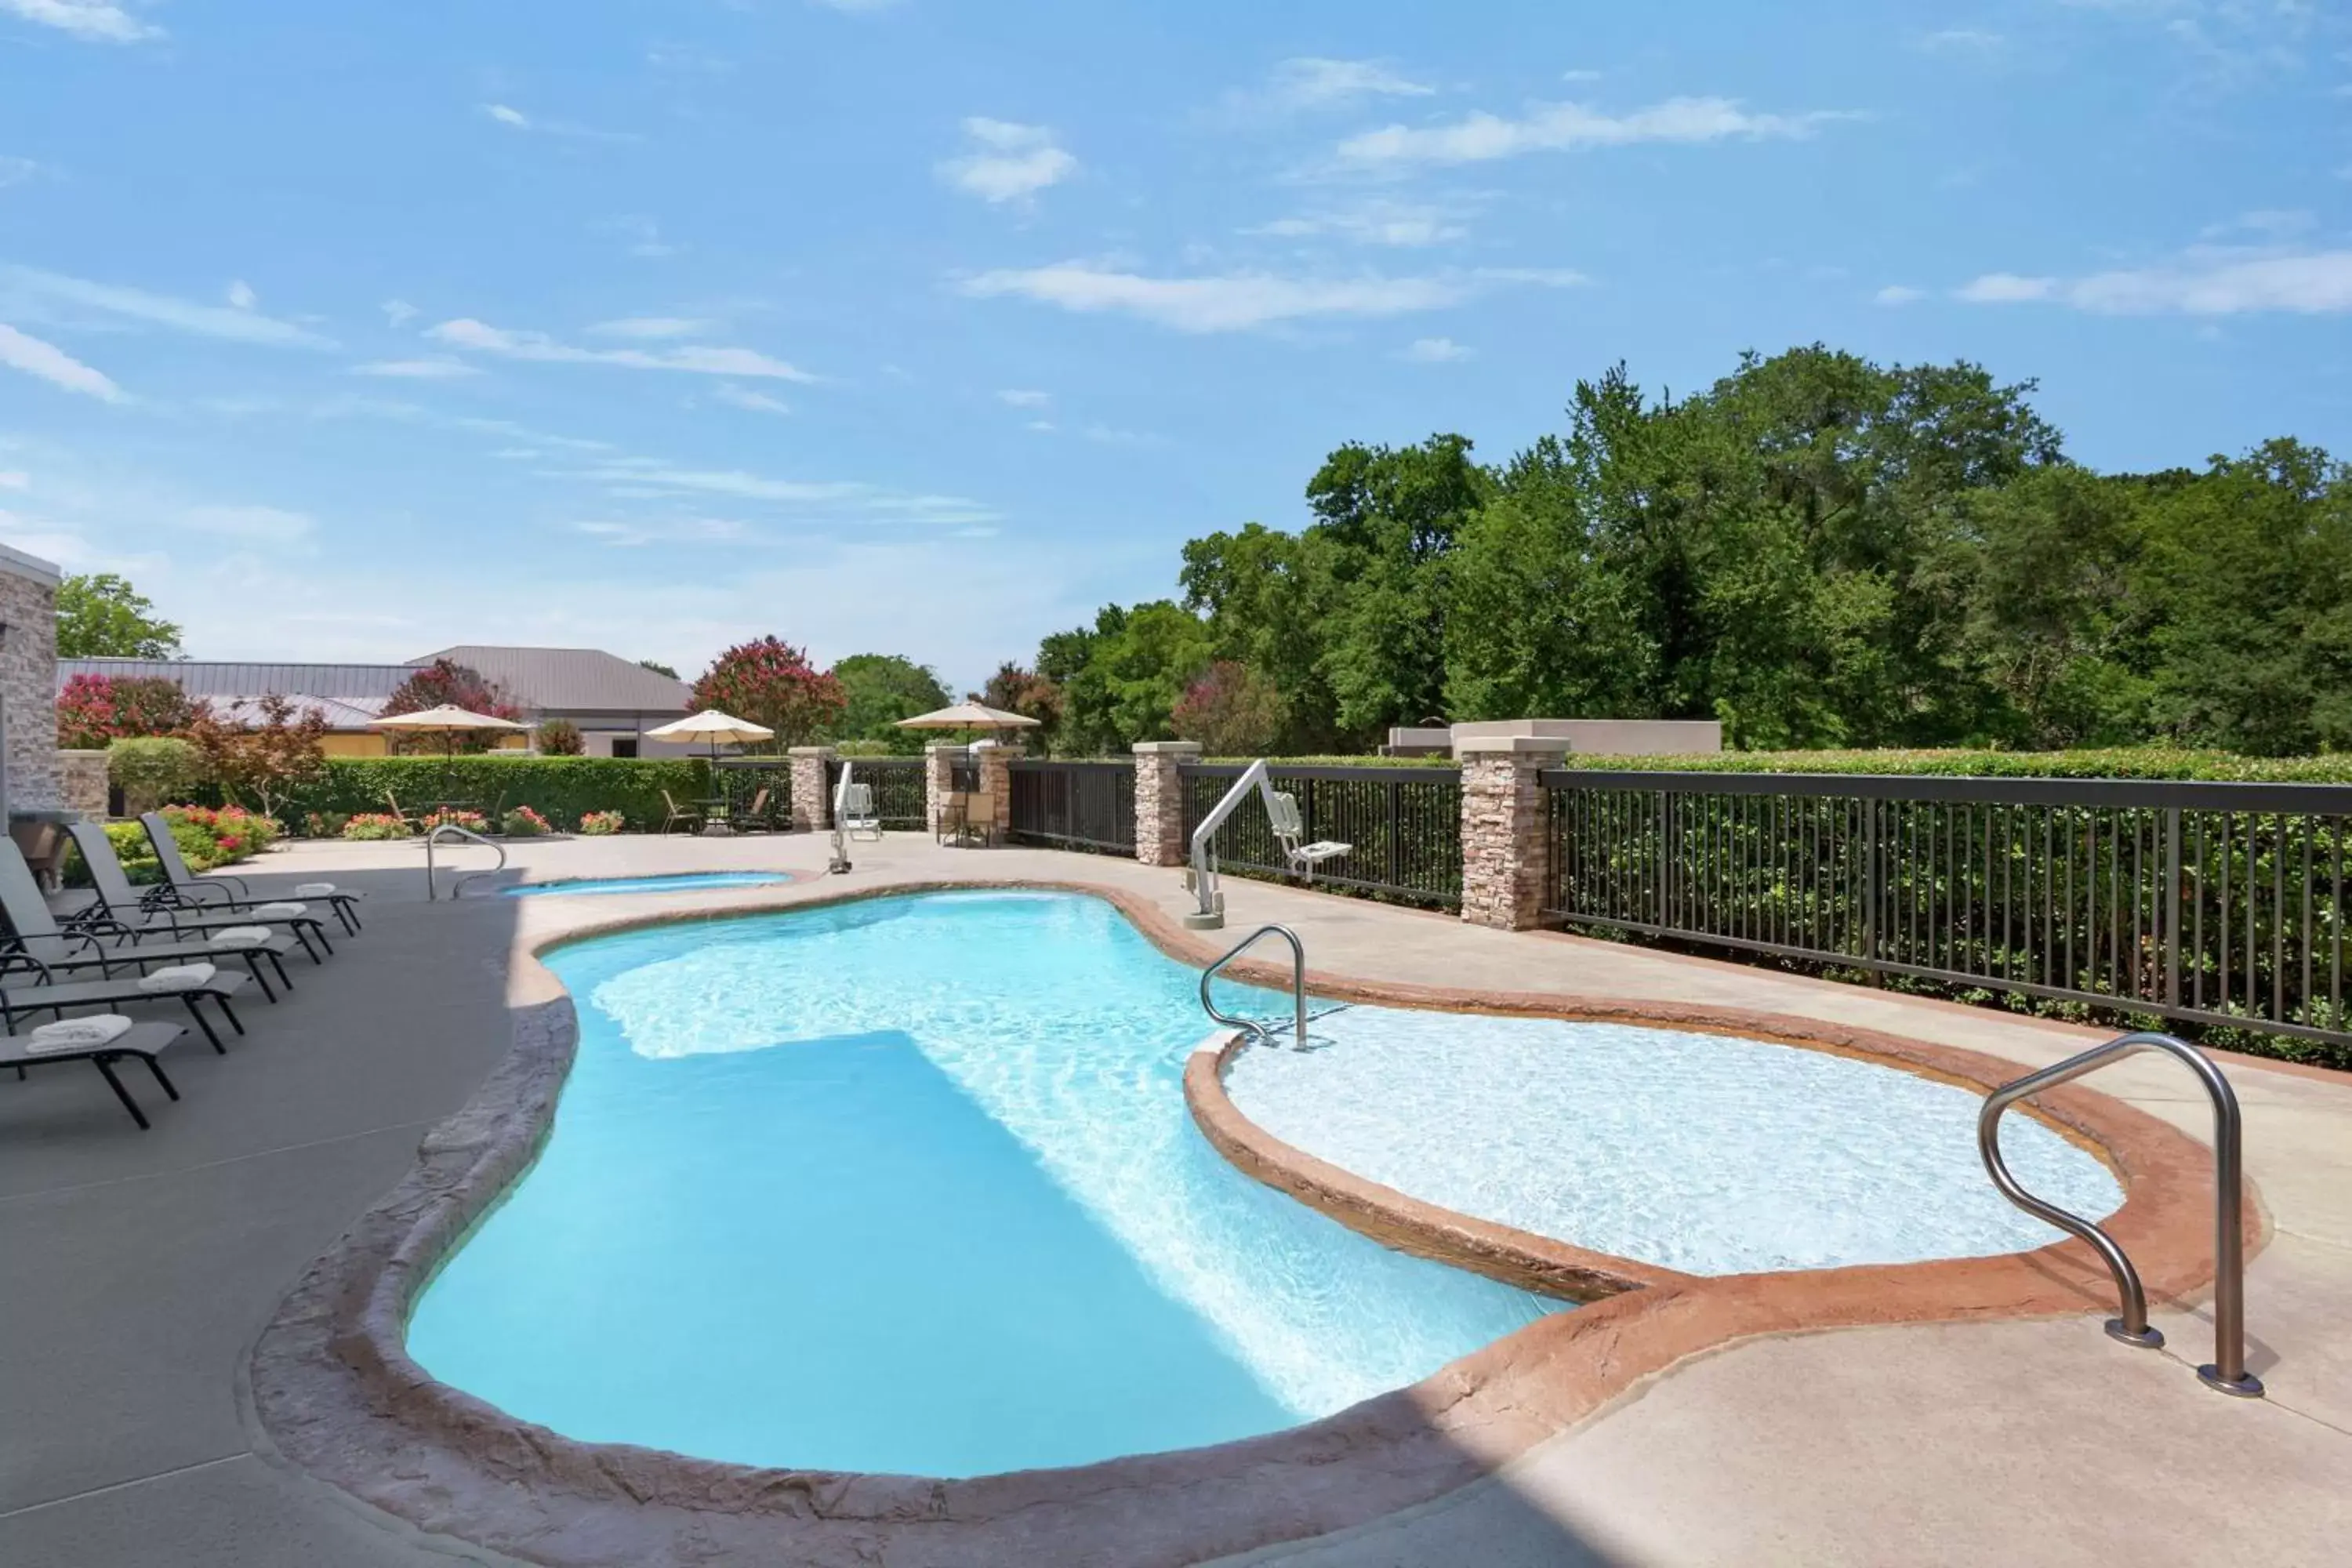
(2218, 903)
(1074, 805)
(1403, 827)
(899, 797)
(758, 790)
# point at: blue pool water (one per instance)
(910, 1185)
(681, 883)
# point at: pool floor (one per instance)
(683, 882)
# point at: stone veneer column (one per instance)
(84, 782)
(812, 805)
(1160, 800)
(938, 783)
(1506, 854)
(996, 779)
(28, 681)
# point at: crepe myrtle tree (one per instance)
(772, 684)
(445, 683)
(95, 710)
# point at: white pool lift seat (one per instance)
(1290, 828)
(858, 814)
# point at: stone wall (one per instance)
(82, 781)
(1506, 854)
(937, 760)
(29, 682)
(1160, 800)
(812, 806)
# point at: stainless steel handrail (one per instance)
(2227, 1371)
(432, 886)
(1297, 982)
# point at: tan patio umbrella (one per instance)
(446, 722)
(969, 715)
(712, 725)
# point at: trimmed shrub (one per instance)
(2112, 763)
(559, 738)
(373, 827)
(151, 768)
(558, 788)
(207, 839)
(523, 823)
(471, 821)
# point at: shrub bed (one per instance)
(2116, 763)
(207, 837)
(561, 789)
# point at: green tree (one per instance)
(657, 667)
(103, 617)
(879, 689)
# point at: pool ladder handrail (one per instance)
(2227, 1371)
(1298, 984)
(432, 886)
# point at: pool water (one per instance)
(1699, 1152)
(685, 882)
(910, 1185)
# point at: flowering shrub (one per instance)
(325, 823)
(522, 821)
(374, 824)
(471, 821)
(598, 824)
(771, 683)
(207, 839)
(446, 684)
(94, 709)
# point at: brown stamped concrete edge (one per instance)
(338, 1395)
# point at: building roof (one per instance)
(46, 573)
(572, 679)
(542, 680)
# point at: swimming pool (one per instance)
(682, 882)
(910, 1185)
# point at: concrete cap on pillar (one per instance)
(1166, 748)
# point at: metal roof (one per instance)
(542, 680)
(572, 679)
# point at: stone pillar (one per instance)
(811, 805)
(938, 758)
(996, 779)
(1506, 853)
(1160, 800)
(28, 683)
(85, 786)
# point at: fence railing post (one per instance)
(1160, 800)
(1506, 831)
(812, 806)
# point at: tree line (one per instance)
(1816, 550)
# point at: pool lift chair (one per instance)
(845, 794)
(1289, 830)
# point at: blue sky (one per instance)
(927, 326)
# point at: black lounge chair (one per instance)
(143, 1042)
(53, 997)
(58, 952)
(182, 889)
(117, 911)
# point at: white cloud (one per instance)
(159, 310)
(241, 295)
(1380, 221)
(1536, 277)
(857, 6)
(1006, 161)
(1569, 127)
(398, 313)
(14, 479)
(845, 500)
(514, 118)
(1215, 304)
(1898, 294)
(15, 171)
(20, 351)
(2274, 224)
(416, 369)
(668, 530)
(100, 21)
(2201, 283)
(482, 337)
(758, 401)
(651, 327)
(261, 524)
(1436, 351)
(1312, 83)
(1962, 41)
(1014, 397)
(1582, 74)
(643, 234)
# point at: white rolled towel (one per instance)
(80, 1034)
(241, 936)
(178, 977)
(314, 891)
(278, 912)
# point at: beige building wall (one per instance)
(29, 682)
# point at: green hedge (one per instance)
(557, 788)
(2117, 762)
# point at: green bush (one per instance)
(370, 826)
(522, 821)
(2114, 763)
(151, 768)
(602, 824)
(559, 788)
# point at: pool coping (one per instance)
(337, 1395)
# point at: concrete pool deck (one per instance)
(142, 1268)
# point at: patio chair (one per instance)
(690, 816)
(55, 951)
(182, 889)
(117, 909)
(104, 1040)
(183, 983)
(757, 812)
(970, 815)
(1290, 828)
(404, 819)
(860, 818)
